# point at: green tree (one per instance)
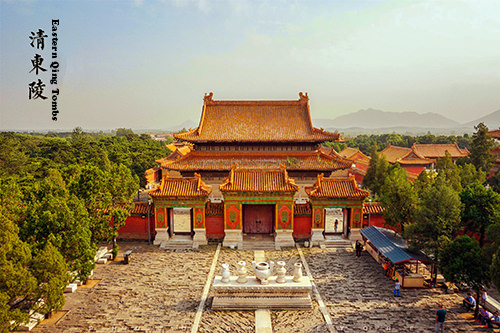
(398, 199)
(470, 175)
(481, 208)
(437, 217)
(51, 271)
(124, 132)
(118, 216)
(394, 139)
(17, 284)
(11, 199)
(91, 185)
(57, 215)
(449, 172)
(427, 139)
(369, 178)
(376, 173)
(12, 157)
(495, 269)
(480, 149)
(493, 244)
(424, 180)
(494, 181)
(461, 262)
(383, 170)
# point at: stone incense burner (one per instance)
(263, 270)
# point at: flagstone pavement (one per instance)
(159, 291)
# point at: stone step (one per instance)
(257, 248)
(338, 244)
(254, 303)
(177, 245)
(258, 245)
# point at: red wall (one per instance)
(358, 177)
(214, 227)
(136, 227)
(302, 227)
(414, 169)
(377, 221)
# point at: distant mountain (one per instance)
(186, 124)
(373, 119)
(491, 120)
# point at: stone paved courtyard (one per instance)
(160, 292)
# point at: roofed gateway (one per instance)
(251, 167)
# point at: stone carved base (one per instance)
(161, 236)
(284, 238)
(317, 237)
(253, 295)
(200, 236)
(232, 238)
(355, 235)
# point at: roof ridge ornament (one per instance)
(303, 97)
(198, 180)
(320, 179)
(208, 98)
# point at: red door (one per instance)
(258, 219)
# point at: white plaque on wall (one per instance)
(182, 220)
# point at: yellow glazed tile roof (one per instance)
(341, 188)
(393, 153)
(374, 208)
(439, 150)
(195, 161)
(184, 187)
(258, 180)
(256, 121)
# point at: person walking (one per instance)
(440, 318)
(359, 248)
(396, 288)
(336, 225)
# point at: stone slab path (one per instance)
(263, 322)
(161, 290)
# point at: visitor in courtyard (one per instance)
(440, 318)
(484, 297)
(396, 288)
(359, 248)
(484, 317)
(336, 225)
(469, 302)
(495, 319)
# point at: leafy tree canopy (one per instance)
(481, 208)
(480, 149)
(398, 199)
(461, 262)
(437, 217)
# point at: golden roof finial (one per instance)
(320, 179)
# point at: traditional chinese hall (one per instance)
(256, 170)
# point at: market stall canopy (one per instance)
(392, 248)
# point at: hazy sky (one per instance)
(147, 64)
